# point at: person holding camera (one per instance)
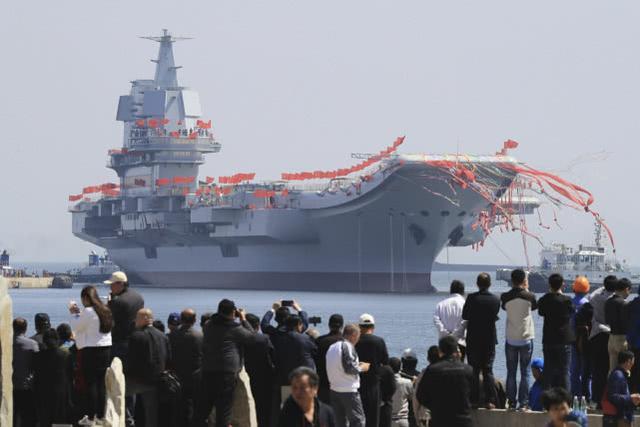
(225, 335)
(280, 309)
(293, 348)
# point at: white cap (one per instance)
(118, 276)
(367, 319)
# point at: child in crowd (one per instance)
(535, 401)
(557, 402)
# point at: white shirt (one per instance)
(343, 369)
(86, 328)
(448, 318)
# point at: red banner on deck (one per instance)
(301, 176)
(236, 178)
(183, 179)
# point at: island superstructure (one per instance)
(374, 227)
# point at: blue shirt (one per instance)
(535, 396)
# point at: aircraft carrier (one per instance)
(376, 226)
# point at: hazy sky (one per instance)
(299, 85)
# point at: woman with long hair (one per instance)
(92, 329)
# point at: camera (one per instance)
(315, 320)
(287, 303)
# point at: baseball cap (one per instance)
(117, 276)
(174, 319)
(336, 320)
(538, 363)
(366, 319)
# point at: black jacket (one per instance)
(292, 350)
(445, 389)
(186, 353)
(24, 350)
(615, 314)
(372, 349)
(557, 310)
(258, 359)
(52, 381)
(223, 344)
(149, 355)
(481, 313)
(124, 308)
(324, 342)
(292, 416)
(387, 384)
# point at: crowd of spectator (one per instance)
(344, 378)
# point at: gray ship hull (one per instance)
(383, 241)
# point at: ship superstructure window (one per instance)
(151, 252)
(424, 213)
(445, 213)
(229, 250)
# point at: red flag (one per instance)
(165, 121)
(510, 143)
(183, 179)
(175, 134)
(193, 135)
(108, 186)
(210, 179)
(140, 122)
(75, 198)
(91, 189)
(152, 123)
(162, 181)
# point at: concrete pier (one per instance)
(29, 282)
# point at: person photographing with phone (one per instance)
(281, 310)
(92, 329)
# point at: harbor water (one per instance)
(402, 320)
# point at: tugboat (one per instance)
(591, 261)
(98, 269)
